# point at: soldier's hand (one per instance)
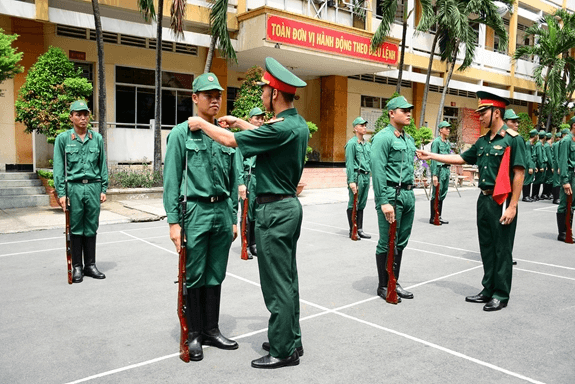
(175, 235)
(509, 215)
(195, 123)
(353, 187)
(435, 181)
(423, 155)
(235, 231)
(62, 202)
(567, 189)
(242, 191)
(536, 170)
(530, 171)
(227, 121)
(102, 197)
(389, 213)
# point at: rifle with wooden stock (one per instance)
(354, 235)
(436, 204)
(391, 295)
(68, 232)
(569, 232)
(182, 289)
(246, 206)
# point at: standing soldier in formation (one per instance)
(357, 167)
(541, 164)
(567, 174)
(280, 146)
(81, 174)
(246, 175)
(530, 164)
(548, 186)
(439, 170)
(496, 222)
(556, 178)
(210, 221)
(393, 151)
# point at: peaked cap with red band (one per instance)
(488, 100)
(279, 77)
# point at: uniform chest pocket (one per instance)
(398, 151)
(72, 154)
(227, 156)
(93, 155)
(497, 151)
(197, 153)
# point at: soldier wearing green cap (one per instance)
(547, 179)
(530, 157)
(496, 206)
(81, 176)
(358, 168)
(280, 146)
(247, 183)
(541, 163)
(556, 179)
(205, 172)
(566, 171)
(393, 151)
(439, 170)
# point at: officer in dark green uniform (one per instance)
(440, 171)
(566, 170)
(531, 167)
(548, 185)
(392, 156)
(496, 224)
(541, 163)
(357, 167)
(280, 146)
(210, 222)
(81, 173)
(246, 175)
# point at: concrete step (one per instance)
(7, 202)
(22, 191)
(18, 175)
(20, 183)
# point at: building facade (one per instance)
(325, 42)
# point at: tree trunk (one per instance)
(426, 89)
(101, 76)
(401, 56)
(442, 102)
(210, 56)
(542, 102)
(158, 97)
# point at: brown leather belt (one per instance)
(271, 198)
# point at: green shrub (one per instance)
(312, 129)
(45, 174)
(135, 179)
(250, 95)
(525, 125)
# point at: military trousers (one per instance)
(540, 177)
(404, 214)
(443, 178)
(84, 208)
(549, 176)
(252, 198)
(362, 192)
(209, 234)
(529, 178)
(562, 208)
(278, 227)
(496, 246)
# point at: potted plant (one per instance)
(47, 179)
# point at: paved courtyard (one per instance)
(125, 329)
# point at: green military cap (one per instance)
(79, 105)
(565, 131)
(548, 135)
(359, 120)
(488, 100)
(542, 133)
(510, 115)
(557, 134)
(279, 77)
(572, 121)
(256, 112)
(206, 82)
(444, 124)
(398, 102)
(533, 132)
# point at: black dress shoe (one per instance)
(494, 305)
(253, 250)
(443, 221)
(527, 199)
(266, 347)
(403, 293)
(92, 271)
(78, 276)
(215, 338)
(382, 292)
(195, 346)
(358, 237)
(556, 201)
(362, 234)
(514, 262)
(543, 197)
(479, 298)
(270, 362)
(432, 221)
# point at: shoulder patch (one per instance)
(274, 120)
(512, 132)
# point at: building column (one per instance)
(333, 118)
(513, 45)
(417, 101)
(220, 69)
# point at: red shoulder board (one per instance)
(73, 136)
(90, 135)
(274, 120)
(396, 132)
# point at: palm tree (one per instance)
(388, 9)
(101, 75)
(455, 30)
(220, 34)
(148, 12)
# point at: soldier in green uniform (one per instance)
(556, 178)
(566, 170)
(245, 168)
(393, 151)
(357, 167)
(210, 222)
(541, 164)
(548, 185)
(531, 167)
(81, 174)
(496, 224)
(440, 171)
(280, 146)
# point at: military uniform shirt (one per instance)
(529, 155)
(280, 147)
(567, 158)
(244, 165)
(487, 154)
(443, 148)
(357, 156)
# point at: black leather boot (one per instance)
(527, 193)
(360, 231)
(211, 334)
(383, 277)
(252, 238)
(535, 192)
(350, 222)
(440, 212)
(556, 191)
(561, 227)
(89, 245)
(396, 268)
(194, 317)
(76, 249)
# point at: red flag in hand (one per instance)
(502, 182)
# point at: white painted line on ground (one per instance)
(551, 209)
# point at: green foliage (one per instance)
(563, 126)
(52, 84)
(525, 125)
(145, 178)
(312, 129)
(45, 174)
(9, 59)
(425, 135)
(51, 183)
(250, 95)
